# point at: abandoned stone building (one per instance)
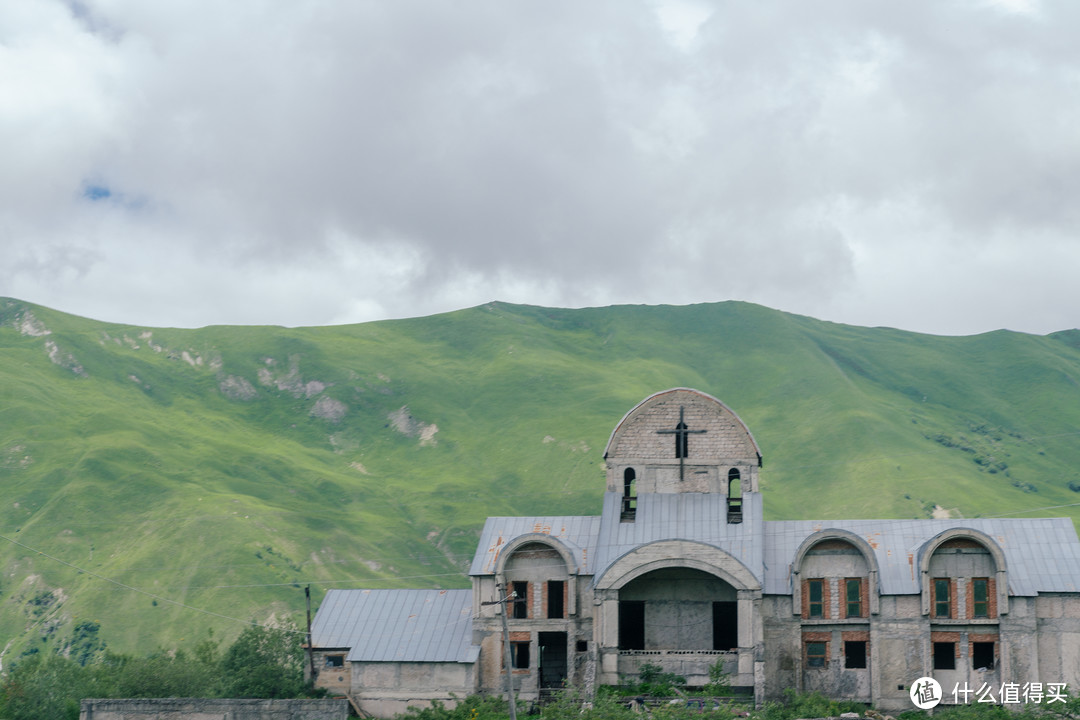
(681, 570)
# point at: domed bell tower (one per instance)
(682, 441)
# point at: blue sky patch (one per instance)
(97, 192)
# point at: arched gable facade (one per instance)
(682, 440)
(538, 559)
(957, 536)
(829, 536)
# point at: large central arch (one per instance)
(677, 553)
(636, 579)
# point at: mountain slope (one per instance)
(224, 468)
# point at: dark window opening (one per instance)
(816, 654)
(734, 500)
(521, 600)
(335, 661)
(980, 595)
(982, 655)
(944, 656)
(816, 593)
(553, 659)
(854, 597)
(519, 655)
(555, 607)
(725, 623)
(682, 444)
(582, 645)
(855, 654)
(942, 603)
(629, 499)
(632, 625)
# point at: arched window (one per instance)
(734, 498)
(629, 499)
(682, 444)
(734, 479)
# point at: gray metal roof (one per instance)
(397, 625)
(1041, 555)
(578, 533)
(699, 517)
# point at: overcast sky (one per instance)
(196, 162)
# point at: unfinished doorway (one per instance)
(678, 608)
(552, 659)
(631, 625)
(725, 625)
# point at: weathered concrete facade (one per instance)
(681, 570)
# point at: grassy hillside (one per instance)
(226, 467)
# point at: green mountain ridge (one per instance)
(210, 474)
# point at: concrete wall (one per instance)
(1038, 641)
(384, 689)
(1057, 618)
(213, 709)
(678, 607)
(336, 679)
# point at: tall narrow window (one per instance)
(521, 600)
(734, 499)
(629, 499)
(519, 655)
(682, 444)
(942, 599)
(555, 605)
(815, 592)
(980, 598)
(816, 654)
(854, 597)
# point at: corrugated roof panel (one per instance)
(576, 532)
(397, 625)
(698, 517)
(1041, 555)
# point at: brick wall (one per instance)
(724, 436)
(942, 637)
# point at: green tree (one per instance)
(264, 663)
(44, 685)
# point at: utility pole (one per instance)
(506, 648)
(310, 652)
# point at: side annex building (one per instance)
(681, 570)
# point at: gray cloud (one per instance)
(325, 162)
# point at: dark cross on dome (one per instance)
(682, 434)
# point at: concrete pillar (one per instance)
(607, 627)
(746, 613)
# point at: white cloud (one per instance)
(195, 163)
